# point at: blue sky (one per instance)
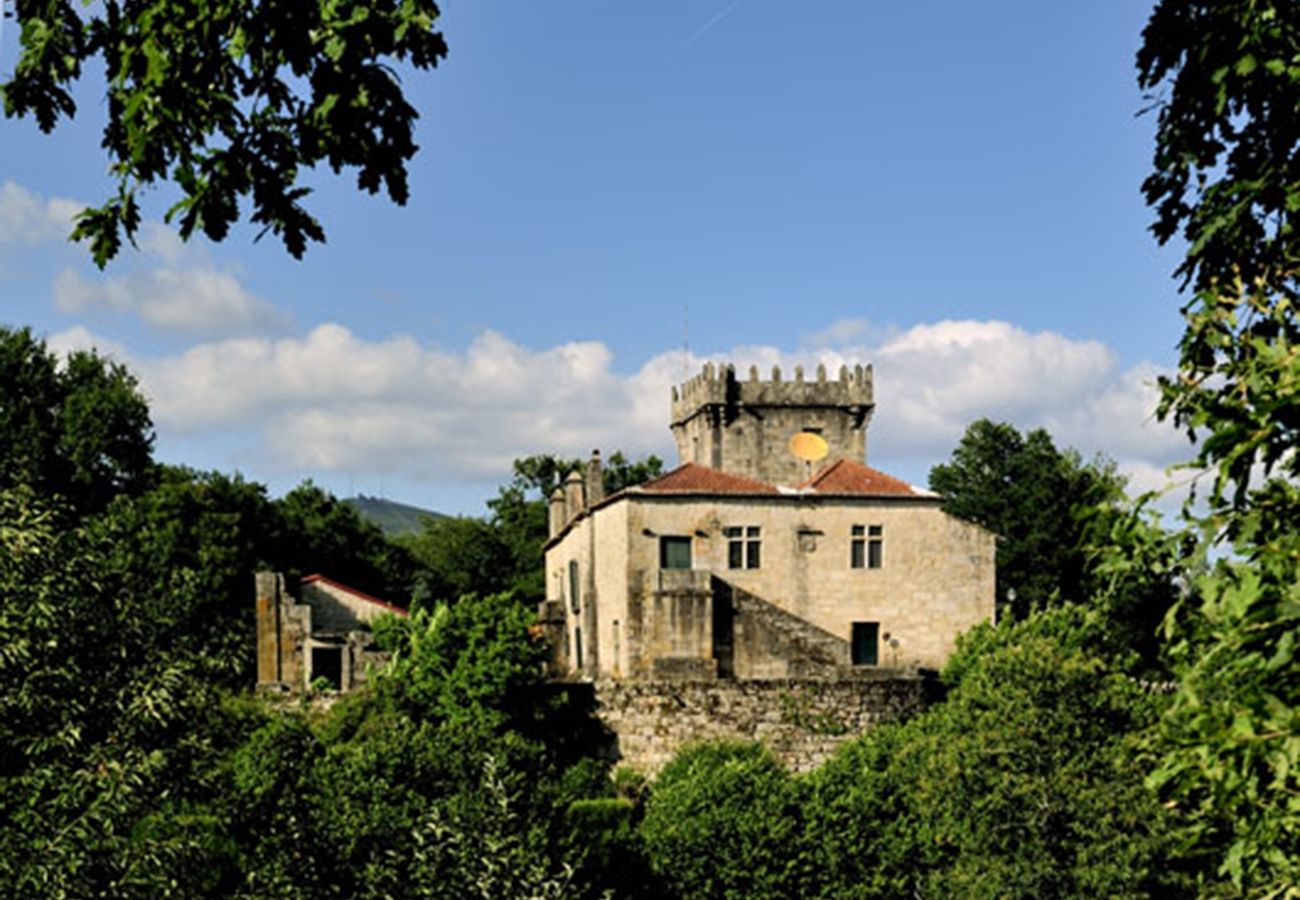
(947, 190)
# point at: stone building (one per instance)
(744, 562)
(323, 639)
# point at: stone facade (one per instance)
(727, 583)
(744, 425)
(801, 721)
(325, 636)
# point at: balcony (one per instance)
(679, 580)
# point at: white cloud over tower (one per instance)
(330, 400)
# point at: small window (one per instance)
(866, 643)
(866, 547)
(875, 546)
(674, 552)
(577, 646)
(573, 585)
(744, 547)
(327, 665)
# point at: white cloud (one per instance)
(79, 337)
(198, 300)
(329, 400)
(170, 285)
(28, 219)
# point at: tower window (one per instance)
(744, 547)
(573, 585)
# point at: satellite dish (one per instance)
(808, 446)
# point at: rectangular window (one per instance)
(744, 547)
(674, 552)
(577, 645)
(327, 666)
(573, 585)
(866, 547)
(866, 643)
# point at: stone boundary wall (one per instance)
(802, 721)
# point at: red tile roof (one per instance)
(360, 595)
(690, 478)
(847, 477)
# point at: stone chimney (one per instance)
(573, 499)
(558, 515)
(595, 480)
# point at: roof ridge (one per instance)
(700, 478)
(359, 594)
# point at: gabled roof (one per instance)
(690, 478)
(351, 591)
(844, 476)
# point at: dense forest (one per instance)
(1130, 728)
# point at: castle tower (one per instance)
(745, 426)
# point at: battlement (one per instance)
(745, 425)
(717, 385)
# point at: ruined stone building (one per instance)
(752, 563)
(322, 640)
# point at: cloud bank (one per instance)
(331, 401)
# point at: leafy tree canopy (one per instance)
(1037, 499)
(465, 555)
(230, 102)
(79, 429)
(1224, 78)
(1021, 784)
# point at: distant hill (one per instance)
(393, 518)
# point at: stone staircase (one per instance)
(769, 642)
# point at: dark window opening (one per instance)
(674, 553)
(327, 665)
(573, 585)
(875, 546)
(577, 645)
(744, 548)
(866, 643)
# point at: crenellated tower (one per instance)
(744, 426)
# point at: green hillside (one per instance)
(392, 517)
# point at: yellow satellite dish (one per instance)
(808, 446)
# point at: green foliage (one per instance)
(455, 556)
(109, 734)
(460, 555)
(79, 430)
(1036, 499)
(1021, 784)
(1231, 740)
(312, 531)
(722, 820)
(619, 473)
(858, 832)
(1226, 83)
(471, 664)
(439, 780)
(230, 102)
